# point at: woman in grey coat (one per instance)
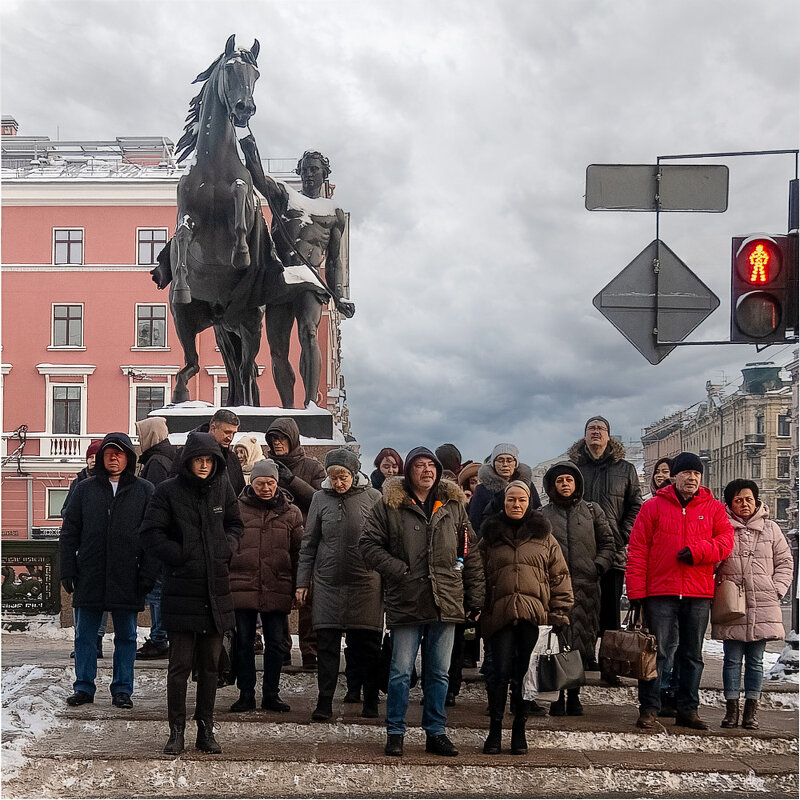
(348, 597)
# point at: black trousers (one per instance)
(610, 594)
(184, 649)
(365, 653)
(455, 673)
(511, 654)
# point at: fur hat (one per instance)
(686, 461)
(266, 468)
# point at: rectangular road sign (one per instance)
(657, 187)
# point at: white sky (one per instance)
(459, 132)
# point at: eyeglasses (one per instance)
(601, 428)
(505, 460)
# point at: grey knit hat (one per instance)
(266, 468)
(598, 418)
(343, 457)
(505, 449)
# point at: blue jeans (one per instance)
(101, 630)
(679, 625)
(753, 654)
(157, 633)
(436, 639)
(86, 651)
(274, 649)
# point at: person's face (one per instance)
(223, 433)
(341, 480)
(423, 474)
(312, 176)
(241, 452)
(596, 435)
(468, 494)
(516, 503)
(504, 466)
(473, 482)
(687, 482)
(201, 466)
(90, 461)
(744, 504)
(265, 487)
(279, 445)
(565, 485)
(388, 466)
(661, 475)
(114, 461)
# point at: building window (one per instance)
(782, 508)
(223, 395)
(784, 421)
(67, 410)
(68, 246)
(149, 398)
(755, 468)
(783, 466)
(151, 325)
(55, 502)
(149, 243)
(68, 326)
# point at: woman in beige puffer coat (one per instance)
(761, 562)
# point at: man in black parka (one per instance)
(105, 567)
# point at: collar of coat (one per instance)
(579, 453)
(395, 495)
(494, 483)
(496, 528)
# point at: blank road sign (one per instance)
(657, 187)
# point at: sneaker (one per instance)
(122, 700)
(79, 698)
(440, 745)
(394, 744)
(151, 650)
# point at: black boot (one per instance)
(246, 702)
(99, 646)
(750, 715)
(324, 710)
(493, 741)
(370, 708)
(174, 745)
(205, 737)
(273, 702)
(558, 707)
(574, 706)
(519, 744)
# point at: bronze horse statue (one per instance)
(222, 248)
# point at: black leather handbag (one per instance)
(563, 670)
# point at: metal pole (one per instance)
(29, 482)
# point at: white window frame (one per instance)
(83, 246)
(137, 375)
(53, 345)
(48, 493)
(154, 348)
(148, 228)
(80, 377)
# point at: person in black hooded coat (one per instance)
(193, 526)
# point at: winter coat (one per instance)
(263, 570)
(308, 472)
(761, 561)
(81, 476)
(526, 575)
(613, 484)
(156, 462)
(416, 557)
(664, 527)
(346, 594)
(194, 527)
(584, 535)
(100, 546)
(489, 495)
(254, 453)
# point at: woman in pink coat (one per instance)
(762, 563)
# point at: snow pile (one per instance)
(31, 696)
(47, 628)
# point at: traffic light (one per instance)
(763, 285)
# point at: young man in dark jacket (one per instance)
(193, 526)
(105, 566)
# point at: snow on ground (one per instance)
(51, 629)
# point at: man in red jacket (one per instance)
(678, 537)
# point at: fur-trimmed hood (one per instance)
(497, 527)
(396, 496)
(494, 483)
(579, 453)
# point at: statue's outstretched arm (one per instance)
(263, 182)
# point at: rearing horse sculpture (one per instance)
(218, 252)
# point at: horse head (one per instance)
(237, 75)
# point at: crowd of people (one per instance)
(223, 539)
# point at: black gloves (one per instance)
(600, 570)
(68, 584)
(635, 605)
(285, 476)
(685, 556)
(473, 614)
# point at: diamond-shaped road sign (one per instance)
(630, 302)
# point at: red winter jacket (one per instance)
(662, 528)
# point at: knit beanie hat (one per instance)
(343, 457)
(450, 456)
(518, 485)
(504, 449)
(93, 447)
(686, 461)
(266, 468)
(598, 419)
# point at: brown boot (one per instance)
(750, 715)
(648, 720)
(731, 718)
(690, 719)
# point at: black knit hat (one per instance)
(343, 457)
(686, 461)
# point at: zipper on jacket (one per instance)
(683, 542)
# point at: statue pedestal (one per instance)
(314, 423)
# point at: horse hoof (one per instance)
(181, 296)
(241, 259)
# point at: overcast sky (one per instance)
(459, 134)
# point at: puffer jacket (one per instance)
(263, 569)
(193, 526)
(761, 561)
(416, 558)
(100, 545)
(488, 497)
(583, 533)
(346, 593)
(664, 527)
(613, 484)
(308, 472)
(526, 575)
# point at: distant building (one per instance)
(750, 432)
